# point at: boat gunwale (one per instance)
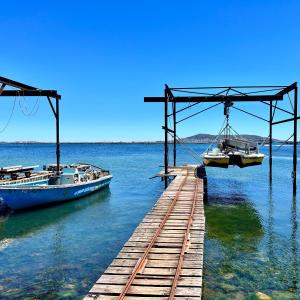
(45, 187)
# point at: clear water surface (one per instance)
(252, 235)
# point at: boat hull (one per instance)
(244, 160)
(251, 161)
(221, 162)
(22, 197)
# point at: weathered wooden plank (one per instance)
(153, 271)
(161, 250)
(146, 290)
(120, 262)
(160, 256)
(122, 279)
(160, 244)
(196, 240)
(109, 297)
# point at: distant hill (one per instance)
(203, 138)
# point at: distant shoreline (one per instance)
(201, 138)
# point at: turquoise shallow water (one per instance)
(252, 238)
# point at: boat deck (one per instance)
(163, 259)
(23, 179)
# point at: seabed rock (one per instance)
(69, 286)
(284, 295)
(262, 296)
(67, 294)
(228, 287)
(229, 276)
(239, 296)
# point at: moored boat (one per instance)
(23, 188)
(250, 159)
(216, 158)
(242, 153)
(232, 149)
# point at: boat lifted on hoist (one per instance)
(232, 149)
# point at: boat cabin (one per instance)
(239, 145)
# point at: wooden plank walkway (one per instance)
(163, 259)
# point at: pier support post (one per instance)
(200, 172)
(295, 140)
(270, 141)
(166, 146)
(57, 138)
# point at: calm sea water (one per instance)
(252, 238)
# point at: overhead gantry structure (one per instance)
(216, 95)
(11, 88)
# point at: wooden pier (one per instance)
(163, 259)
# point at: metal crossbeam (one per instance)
(17, 93)
(286, 120)
(196, 95)
(16, 84)
(221, 98)
(248, 113)
(287, 89)
(21, 90)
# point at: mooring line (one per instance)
(141, 262)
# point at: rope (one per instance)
(217, 137)
(230, 127)
(283, 143)
(11, 114)
(34, 109)
(263, 143)
(290, 101)
(193, 153)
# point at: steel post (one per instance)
(270, 141)
(166, 155)
(57, 138)
(295, 141)
(174, 141)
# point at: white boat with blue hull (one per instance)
(22, 191)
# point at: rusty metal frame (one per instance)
(19, 89)
(222, 94)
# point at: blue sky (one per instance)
(104, 56)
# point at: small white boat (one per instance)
(247, 159)
(22, 187)
(228, 153)
(216, 158)
(232, 149)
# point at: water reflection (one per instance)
(50, 267)
(234, 222)
(244, 254)
(270, 225)
(27, 222)
(294, 247)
